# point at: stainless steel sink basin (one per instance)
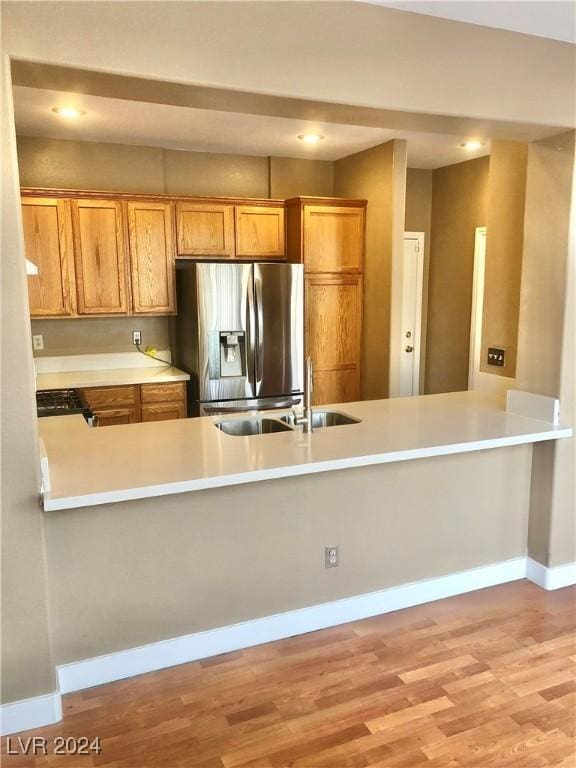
(244, 427)
(321, 419)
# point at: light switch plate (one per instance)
(496, 356)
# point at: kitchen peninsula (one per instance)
(147, 460)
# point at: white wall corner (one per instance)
(555, 577)
(30, 713)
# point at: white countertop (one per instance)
(110, 377)
(118, 463)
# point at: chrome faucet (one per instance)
(305, 420)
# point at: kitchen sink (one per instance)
(244, 427)
(321, 419)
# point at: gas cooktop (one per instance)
(61, 402)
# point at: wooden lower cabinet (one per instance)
(135, 403)
(163, 411)
(108, 417)
(160, 402)
(333, 335)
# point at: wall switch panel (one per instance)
(496, 356)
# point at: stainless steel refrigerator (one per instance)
(239, 333)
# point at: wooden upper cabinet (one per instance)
(151, 238)
(205, 230)
(259, 232)
(333, 238)
(100, 257)
(334, 335)
(48, 246)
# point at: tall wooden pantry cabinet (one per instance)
(327, 236)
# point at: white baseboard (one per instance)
(555, 577)
(45, 710)
(30, 713)
(148, 658)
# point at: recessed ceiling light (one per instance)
(472, 145)
(311, 138)
(68, 112)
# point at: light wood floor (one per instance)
(485, 679)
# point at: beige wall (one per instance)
(204, 173)
(370, 175)
(419, 219)
(504, 244)
(89, 165)
(137, 572)
(91, 335)
(125, 168)
(291, 177)
(546, 342)
(459, 205)
(27, 668)
(356, 54)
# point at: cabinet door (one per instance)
(333, 336)
(100, 257)
(111, 416)
(151, 258)
(259, 232)
(48, 246)
(333, 238)
(163, 411)
(205, 229)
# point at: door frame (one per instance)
(417, 342)
(477, 310)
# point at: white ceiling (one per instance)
(554, 19)
(172, 127)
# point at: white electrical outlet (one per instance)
(331, 557)
(38, 342)
(136, 337)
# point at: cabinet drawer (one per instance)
(108, 417)
(163, 393)
(104, 397)
(163, 412)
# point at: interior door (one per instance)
(279, 309)
(412, 282)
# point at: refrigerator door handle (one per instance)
(259, 325)
(251, 334)
(210, 410)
